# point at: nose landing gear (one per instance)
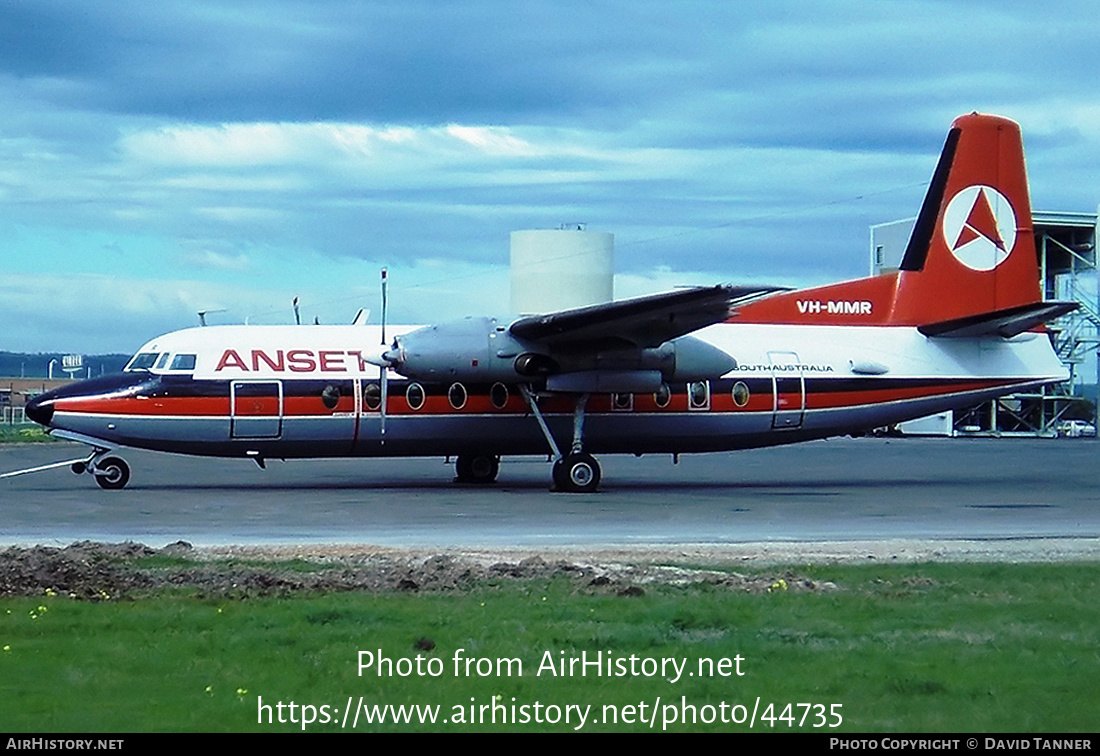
(111, 473)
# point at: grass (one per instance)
(925, 648)
(23, 434)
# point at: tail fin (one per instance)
(970, 268)
(971, 257)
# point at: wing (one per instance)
(642, 322)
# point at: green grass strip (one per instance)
(903, 648)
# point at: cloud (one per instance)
(266, 150)
(208, 258)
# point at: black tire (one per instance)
(577, 473)
(112, 473)
(481, 469)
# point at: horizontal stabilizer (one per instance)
(640, 322)
(1007, 323)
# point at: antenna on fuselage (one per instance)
(204, 313)
(297, 317)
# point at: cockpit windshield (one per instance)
(183, 362)
(142, 361)
(160, 361)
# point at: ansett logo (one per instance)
(979, 226)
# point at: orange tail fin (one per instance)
(972, 250)
(970, 268)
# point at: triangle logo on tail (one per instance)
(979, 226)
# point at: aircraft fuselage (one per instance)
(305, 391)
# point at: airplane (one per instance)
(697, 370)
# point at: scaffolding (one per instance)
(1065, 245)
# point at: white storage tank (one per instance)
(561, 269)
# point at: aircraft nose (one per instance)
(40, 409)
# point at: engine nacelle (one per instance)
(481, 350)
(681, 360)
(474, 350)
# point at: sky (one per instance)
(158, 159)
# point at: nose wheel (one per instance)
(111, 473)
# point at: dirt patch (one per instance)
(104, 571)
(83, 570)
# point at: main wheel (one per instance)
(577, 473)
(477, 468)
(112, 473)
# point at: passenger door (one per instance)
(788, 390)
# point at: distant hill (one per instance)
(26, 365)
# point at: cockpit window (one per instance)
(162, 361)
(183, 362)
(142, 361)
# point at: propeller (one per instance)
(383, 367)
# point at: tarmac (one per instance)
(840, 499)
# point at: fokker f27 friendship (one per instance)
(696, 370)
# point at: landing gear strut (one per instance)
(577, 471)
(477, 468)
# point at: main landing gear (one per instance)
(476, 468)
(577, 471)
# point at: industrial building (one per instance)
(1065, 245)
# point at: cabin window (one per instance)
(498, 395)
(183, 362)
(698, 395)
(372, 396)
(740, 393)
(414, 395)
(456, 395)
(330, 396)
(663, 395)
(143, 361)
